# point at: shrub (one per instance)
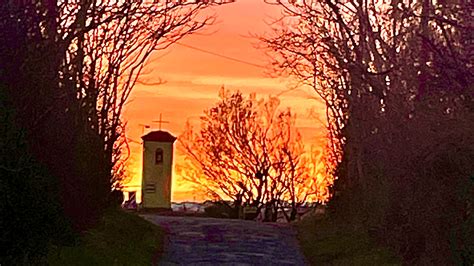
(221, 209)
(32, 218)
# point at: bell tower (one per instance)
(157, 170)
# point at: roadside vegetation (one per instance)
(66, 71)
(326, 241)
(120, 238)
(396, 78)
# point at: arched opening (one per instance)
(159, 156)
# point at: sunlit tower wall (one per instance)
(157, 170)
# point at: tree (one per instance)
(393, 76)
(108, 50)
(251, 153)
(68, 68)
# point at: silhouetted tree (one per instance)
(397, 80)
(67, 69)
(250, 152)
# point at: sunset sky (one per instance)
(193, 79)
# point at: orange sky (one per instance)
(193, 80)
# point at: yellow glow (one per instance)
(193, 80)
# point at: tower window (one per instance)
(158, 156)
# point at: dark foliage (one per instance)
(119, 238)
(397, 79)
(47, 110)
(221, 209)
(66, 71)
(31, 216)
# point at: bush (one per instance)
(415, 189)
(329, 241)
(221, 209)
(32, 218)
(119, 238)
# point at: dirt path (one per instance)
(208, 241)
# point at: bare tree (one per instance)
(391, 74)
(355, 52)
(108, 44)
(249, 152)
(70, 67)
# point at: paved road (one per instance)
(209, 241)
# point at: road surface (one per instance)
(210, 241)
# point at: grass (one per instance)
(120, 239)
(325, 242)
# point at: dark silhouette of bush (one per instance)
(31, 217)
(221, 209)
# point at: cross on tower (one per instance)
(159, 122)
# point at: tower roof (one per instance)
(159, 136)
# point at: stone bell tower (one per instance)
(157, 170)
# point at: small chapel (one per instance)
(157, 170)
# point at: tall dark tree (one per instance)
(66, 71)
(397, 80)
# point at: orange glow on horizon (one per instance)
(193, 79)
